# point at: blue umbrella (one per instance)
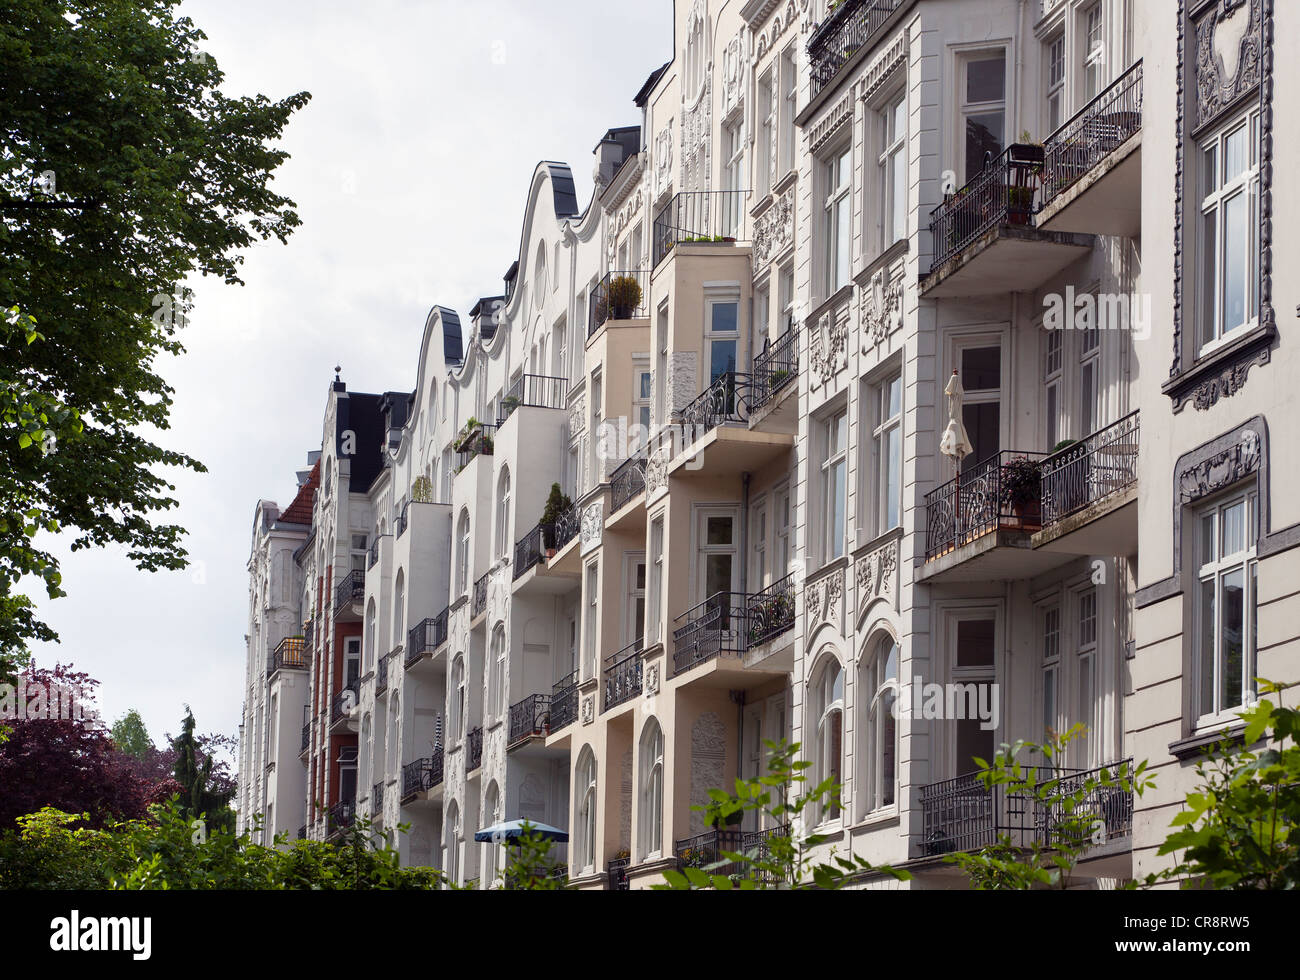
(512, 830)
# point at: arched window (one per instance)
(539, 276)
(650, 819)
(462, 554)
(394, 734)
(452, 863)
(492, 817)
(372, 652)
(503, 513)
(879, 691)
(399, 609)
(828, 714)
(497, 674)
(458, 699)
(585, 808)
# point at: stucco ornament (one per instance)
(593, 523)
(656, 472)
(828, 344)
(588, 709)
(823, 602)
(882, 309)
(774, 230)
(875, 575)
(664, 159)
(578, 416)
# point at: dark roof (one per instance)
(363, 416)
(644, 94)
(453, 349)
(300, 511)
(565, 194)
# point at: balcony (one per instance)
(309, 633)
(960, 815)
(775, 367)
(289, 654)
(619, 296)
(626, 482)
(377, 798)
(715, 435)
(564, 702)
(984, 238)
(480, 440)
(381, 673)
(403, 521)
(623, 674)
(478, 604)
(566, 527)
(849, 29)
(349, 593)
(704, 850)
(306, 738)
(530, 550)
(372, 553)
(616, 879)
(529, 718)
(340, 817)
(713, 628)
(421, 776)
(1089, 493)
(534, 391)
(770, 613)
(700, 217)
(473, 749)
(343, 703)
(423, 640)
(1092, 174)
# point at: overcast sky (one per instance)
(410, 168)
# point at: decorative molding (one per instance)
(578, 416)
(881, 307)
(1228, 55)
(877, 577)
(593, 524)
(681, 381)
(651, 680)
(697, 122)
(656, 472)
(831, 122)
(589, 709)
(828, 346)
(785, 18)
(734, 64)
(824, 602)
(883, 66)
(774, 231)
(664, 159)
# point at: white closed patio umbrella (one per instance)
(955, 443)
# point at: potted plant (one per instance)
(422, 490)
(1026, 160)
(470, 428)
(624, 297)
(557, 504)
(1022, 488)
(509, 404)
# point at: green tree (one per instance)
(131, 736)
(530, 866)
(199, 799)
(786, 859)
(1241, 828)
(124, 170)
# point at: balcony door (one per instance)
(980, 366)
(973, 672)
(352, 663)
(717, 563)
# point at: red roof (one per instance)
(299, 512)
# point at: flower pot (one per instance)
(620, 313)
(1029, 513)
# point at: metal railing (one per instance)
(564, 702)
(726, 401)
(534, 391)
(842, 35)
(478, 604)
(567, 526)
(306, 738)
(421, 775)
(1002, 193)
(289, 654)
(403, 519)
(1092, 134)
(372, 553)
(623, 674)
(474, 749)
(344, 702)
(351, 589)
(616, 879)
(530, 550)
(302, 832)
(1089, 471)
(962, 814)
(426, 637)
(480, 442)
(309, 632)
(377, 798)
(982, 500)
(700, 216)
(771, 612)
(340, 816)
(714, 627)
(627, 481)
(529, 717)
(618, 296)
(775, 367)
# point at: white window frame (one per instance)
(833, 459)
(655, 592)
(591, 621)
(883, 425)
(967, 108)
(892, 158)
(828, 701)
(650, 816)
(837, 218)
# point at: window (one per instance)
(371, 638)
(399, 610)
(733, 177)
(358, 555)
(763, 146)
(880, 684)
(1089, 371)
(655, 597)
(590, 638)
(497, 674)
(1049, 632)
(1052, 381)
(503, 514)
(893, 172)
(585, 825)
(828, 712)
(981, 377)
(974, 668)
(835, 439)
(789, 81)
(1094, 52)
(723, 337)
(762, 317)
(1086, 609)
(887, 454)
(1229, 238)
(492, 817)
(784, 557)
(462, 554)
(837, 220)
(452, 863)
(1225, 628)
(1056, 82)
(786, 297)
(718, 571)
(641, 402)
(650, 820)
(634, 622)
(758, 545)
(458, 704)
(983, 110)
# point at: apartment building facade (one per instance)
(852, 378)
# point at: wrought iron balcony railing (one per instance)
(564, 702)
(302, 832)
(700, 217)
(1092, 134)
(771, 612)
(341, 816)
(1089, 471)
(480, 441)
(309, 632)
(1002, 193)
(962, 814)
(421, 775)
(478, 604)
(616, 879)
(714, 627)
(627, 481)
(289, 654)
(534, 391)
(1003, 491)
(775, 368)
(531, 716)
(381, 672)
(623, 674)
(530, 550)
(618, 296)
(403, 520)
(567, 526)
(473, 749)
(351, 589)
(344, 702)
(727, 401)
(306, 737)
(426, 637)
(372, 554)
(377, 798)
(849, 27)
